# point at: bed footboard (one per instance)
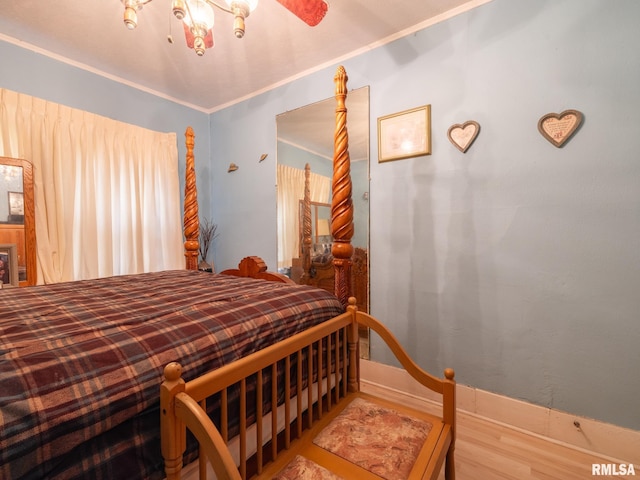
(310, 368)
(290, 395)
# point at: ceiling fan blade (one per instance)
(310, 12)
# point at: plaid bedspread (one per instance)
(81, 362)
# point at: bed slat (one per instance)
(319, 383)
(202, 459)
(259, 414)
(224, 414)
(299, 393)
(243, 428)
(287, 402)
(310, 389)
(274, 411)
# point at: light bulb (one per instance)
(199, 15)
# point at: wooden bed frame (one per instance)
(341, 206)
(321, 274)
(331, 348)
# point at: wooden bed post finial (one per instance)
(191, 221)
(172, 431)
(341, 203)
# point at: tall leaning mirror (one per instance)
(305, 150)
(17, 223)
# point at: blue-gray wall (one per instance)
(517, 263)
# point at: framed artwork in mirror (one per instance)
(8, 265)
(405, 134)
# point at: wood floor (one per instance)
(486, 451)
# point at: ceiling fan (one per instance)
(198, 16)
(310, 12)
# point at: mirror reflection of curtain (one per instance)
(290, 192)
(107, 197)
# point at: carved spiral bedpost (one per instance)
(306, 226)
(191, 221)
(341, 202)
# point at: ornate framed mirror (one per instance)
(305, 150)
(17, 223)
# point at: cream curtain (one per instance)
(290, 192)
(107, 195)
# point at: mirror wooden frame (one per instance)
(29, 216)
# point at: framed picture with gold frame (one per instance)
(405, 134)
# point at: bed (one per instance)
(81, 361)
(318, 424)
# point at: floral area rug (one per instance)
(379, 439)
(301, 468)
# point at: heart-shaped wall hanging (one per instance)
(463, 135)
(558, 128)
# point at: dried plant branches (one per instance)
(207, 235)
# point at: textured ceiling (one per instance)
(276, 48)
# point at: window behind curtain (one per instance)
(106, 193)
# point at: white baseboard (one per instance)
(620, 444)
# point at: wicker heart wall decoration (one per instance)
(558, 128)
(463, 135)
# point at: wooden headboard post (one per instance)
(191, 221)
(341, 203)
(306, 226)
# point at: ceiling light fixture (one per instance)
(198, 18)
